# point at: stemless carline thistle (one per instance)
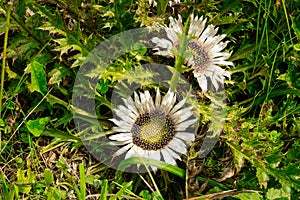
(204, 46)
(153, 129)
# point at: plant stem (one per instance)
(4, 54)
(180, 55)
(287, 20)
(174, 80)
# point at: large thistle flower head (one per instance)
(153, 129)
(205, 49)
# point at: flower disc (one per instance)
(153, 131)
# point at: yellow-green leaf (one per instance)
(38, 76)
(36, 127)
(49, 178)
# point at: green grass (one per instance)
(43, 45)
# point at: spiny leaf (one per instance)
(263, 177)
(22, 47)
(52, 29)
(238, 160)
(65, 47)
(57, 74)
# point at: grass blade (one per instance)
(104, 190)
(82, 181)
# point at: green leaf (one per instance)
(38, 76)
(55, 194)
(140, 48)
(10, 73)
(49, 178)
(277, 194)
(159, 164)
(2, 123)
(25, 178)
(59, 138)
(36, 127)
(102, 87)
(247, 196)
(145, 194)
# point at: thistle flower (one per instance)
(153, 129)
(204, 46)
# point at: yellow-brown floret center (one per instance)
(153, 130)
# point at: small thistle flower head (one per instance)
(205, 50)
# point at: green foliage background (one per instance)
(41, 156)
